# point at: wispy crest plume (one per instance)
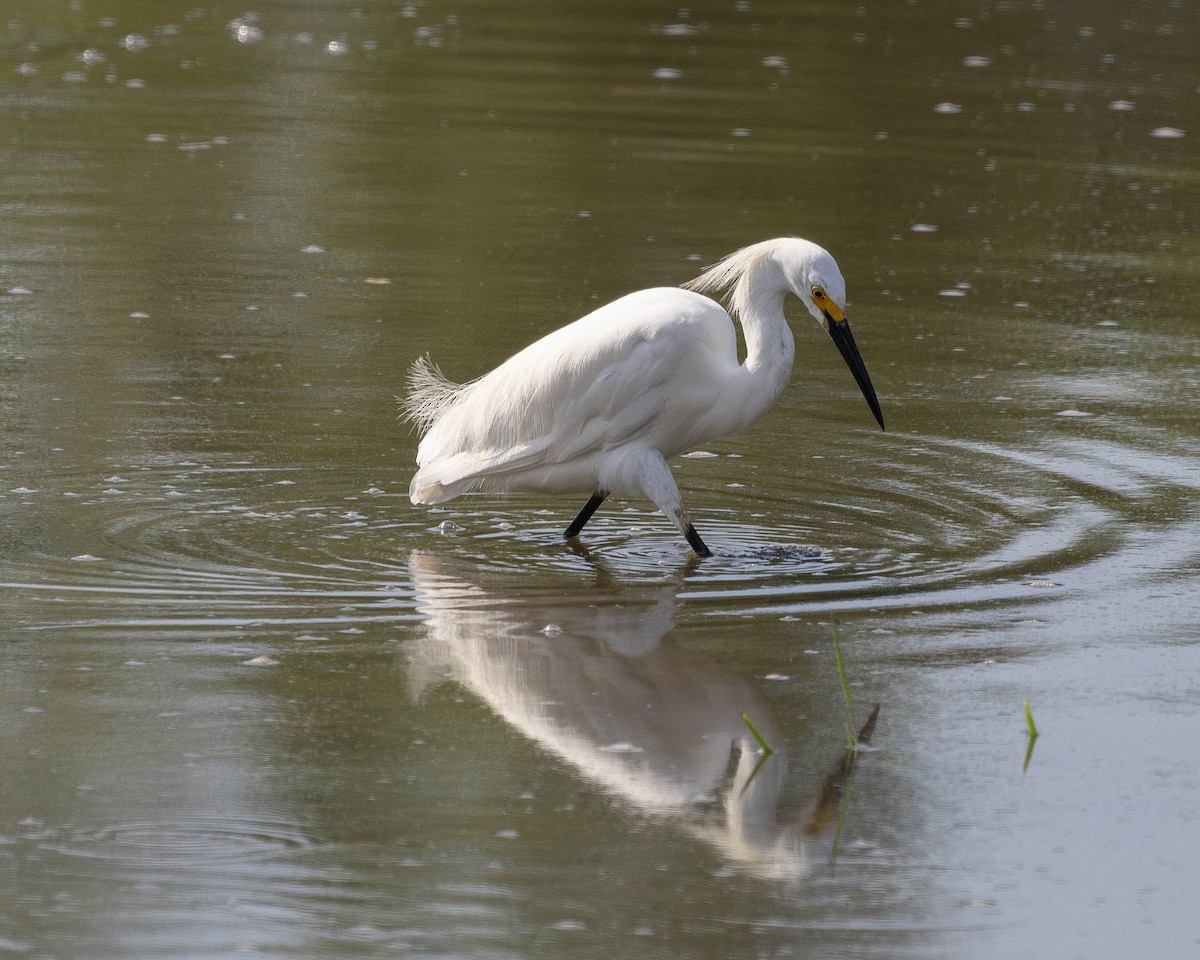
(732, 274)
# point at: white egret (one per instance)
(600, 405)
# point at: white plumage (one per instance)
(600, 405)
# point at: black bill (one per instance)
(840, 332)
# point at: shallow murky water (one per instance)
(252, 701)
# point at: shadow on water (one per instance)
(596, 680)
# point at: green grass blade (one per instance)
(841, 666)
(1033, 735)
(851, 742)
(762, 743)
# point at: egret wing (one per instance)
(597, 384)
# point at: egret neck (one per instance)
(770, 347)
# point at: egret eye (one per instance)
(818, 294)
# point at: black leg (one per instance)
(585, 515)
(697, 544)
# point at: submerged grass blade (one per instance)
(1033, 735)
(763, 758)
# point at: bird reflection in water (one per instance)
(592, 677)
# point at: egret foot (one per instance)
(697, 544)
(585, 514)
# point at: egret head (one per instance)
(814, 277)
(773, 267)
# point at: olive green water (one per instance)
(253, 702)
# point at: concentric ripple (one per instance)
(186, 841)
(945, 523)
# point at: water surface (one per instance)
(253, 701)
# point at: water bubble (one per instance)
(429, 36)
(135, 43)
(667, 73)
(948, 108)
(245, 29)
(977, 61)
(1167, 133)
(1121, 106)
